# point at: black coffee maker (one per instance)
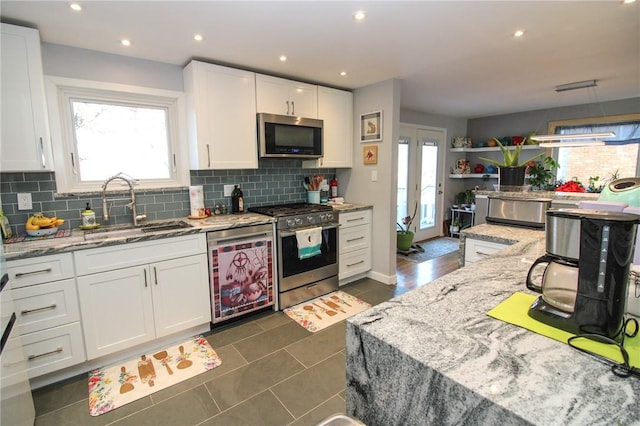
(584, 285)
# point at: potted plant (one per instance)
(455, 225)
(511, 170)
(542, 173)
(404, 235)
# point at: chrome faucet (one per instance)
(132, 205)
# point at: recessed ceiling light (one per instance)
(125, 42)
(198, 37)
(360, 15)
(518, 33)
(628, 1)
(283, 58)
(343, 73)
(75, 6)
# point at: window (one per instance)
(101, 129)
(604, 162)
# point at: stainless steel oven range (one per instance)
(301, 278)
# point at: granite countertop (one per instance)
(502, 234)
(78, 241)
(528, 195)
(433, 356)
(350, 207)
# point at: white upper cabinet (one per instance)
(221, 117)
(26, 144)
(335, 108)
(286, 97)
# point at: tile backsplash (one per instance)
(276, 181)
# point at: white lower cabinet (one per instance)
(475, 250)
(46, 304)
(128, 306)
(354, 245)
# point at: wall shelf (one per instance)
(486, 149)
(473, 175)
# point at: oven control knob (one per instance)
(298, 221)
(323, 217)
(329, 216)
(291, 222)
(311, 219)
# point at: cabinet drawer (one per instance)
(53, 349)
(355, 238)
(96, 260)
(37, 270)
(355, 218)
(46, 305)
(354, 263)
(476, 250)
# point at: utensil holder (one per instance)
(313, 197)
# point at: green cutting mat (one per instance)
(514, 311)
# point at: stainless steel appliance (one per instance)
(517, 211)
(302, 278)
(241, 270)
(584, 285)
(16, 402)
(285, 136)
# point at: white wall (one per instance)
(71, 62)
(357, 181)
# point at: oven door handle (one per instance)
(292, 233)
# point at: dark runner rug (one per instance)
(431, 249)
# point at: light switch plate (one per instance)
(228, 189)
(374, 175)
(24, 201)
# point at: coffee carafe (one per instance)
(584, 284)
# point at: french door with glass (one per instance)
(420, 157)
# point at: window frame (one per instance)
(61, 91)
(611, 119)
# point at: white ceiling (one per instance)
(454, 58)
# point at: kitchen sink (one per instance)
(119, 231)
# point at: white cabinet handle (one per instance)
(354, 264)
(44, 164)
(155, 274)
(44, 308)
(355, 239)
(145, 278)
(208, 157)
(293, 108)
(483, 254)
(55, 351)
(39, 271)
(287, 107)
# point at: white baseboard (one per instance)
(385, 279)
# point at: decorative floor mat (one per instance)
(323, 311)
(119, 384)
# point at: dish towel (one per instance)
(309, 241)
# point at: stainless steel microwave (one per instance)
(285, 136)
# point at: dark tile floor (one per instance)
(273, 372)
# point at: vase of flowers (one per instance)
(404, 235)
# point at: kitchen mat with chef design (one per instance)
(119, 384)
(323, 311)
(514, 311)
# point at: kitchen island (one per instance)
(433, 356)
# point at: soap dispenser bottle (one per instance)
(88, 217)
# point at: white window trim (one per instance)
(60, 89)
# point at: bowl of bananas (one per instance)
(39, 225)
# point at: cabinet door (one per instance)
(286, 97)
(180, 294)
(116, 309)
(25, 132)
(335, 108)
(221, 105)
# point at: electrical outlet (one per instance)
(228, 189)
(24, 201)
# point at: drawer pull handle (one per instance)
(355, 239)
(39, 271)
(354, 219)
(155, 274)
(145, 278)
(55, 351)
(349, 265)
(44, 308)
(482, 253)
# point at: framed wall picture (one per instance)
(370, 154)
(371, 127)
